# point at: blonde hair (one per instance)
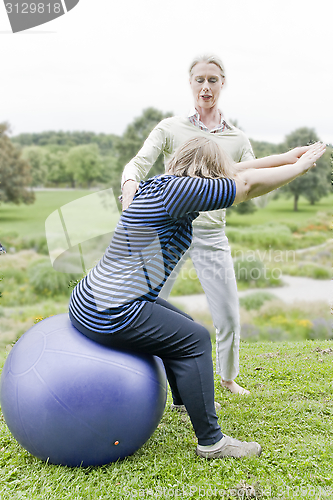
(209, 59)
(201, 157)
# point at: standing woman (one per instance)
(117, 303)
(210, 251)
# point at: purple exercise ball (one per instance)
(71, 401)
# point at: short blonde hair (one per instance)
(209, 59)
(201, 157)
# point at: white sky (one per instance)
(101, 64)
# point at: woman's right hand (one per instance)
(308, 159)
(129, 189)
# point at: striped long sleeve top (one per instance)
(150, 238)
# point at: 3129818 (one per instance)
(33, 8)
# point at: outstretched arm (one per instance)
(254, 182)
(139, 166)
(287, 158)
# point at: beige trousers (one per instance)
(211, 258)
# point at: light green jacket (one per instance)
(171, 133)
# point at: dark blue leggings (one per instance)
(186, 351)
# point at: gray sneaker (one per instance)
(231, 447)
(182, 409)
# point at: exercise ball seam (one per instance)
(108, 362)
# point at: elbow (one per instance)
(243, 189)
(246, 189)
(250, 182)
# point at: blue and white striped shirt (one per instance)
(150, 238)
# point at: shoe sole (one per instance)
(211, 455)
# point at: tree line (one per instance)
(85, 159)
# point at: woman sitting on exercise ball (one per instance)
(117, 303)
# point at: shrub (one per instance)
(247, 207)
(14, 276)
(249, 270)
(253, 272)
(39, 244)
(46, 281)
(265, 236)
(255, 300)
(321, 329)
(250, 333)
(278, 236)
(314, 271)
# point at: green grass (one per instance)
(281, 211)
(29, 220)
(289, 412)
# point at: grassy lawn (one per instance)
(289, 412)
(281, 211)
(29, 220)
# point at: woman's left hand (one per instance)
(294, 154)
(308, 159)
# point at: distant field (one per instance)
(281, 211)
(29, 220)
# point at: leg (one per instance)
(167, 305)
(185, 349)
(211, 257)
(176, 398)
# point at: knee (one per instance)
(229, 323)
(203, 339)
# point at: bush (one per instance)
(314, 271)
(255, 300)
(39, 244)
(249, 270)
(277, 236)
(14, 276)
(187, 282)
(276, 321)
(250, 333)
(321, 329)
(253, 272)
(246, 207)
(46, 281)
(265, 236)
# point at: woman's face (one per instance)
(206, 84)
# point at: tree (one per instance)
(134, 136)
(65, 139)
(55, 161)
(262, 148)
(247, 207)
(15, 174)
(315, 184)
(35, 156)
(84, 163)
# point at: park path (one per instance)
(295, 289)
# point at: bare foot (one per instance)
(233, 387)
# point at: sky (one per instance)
(100, 65)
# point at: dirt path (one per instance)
(296, 288)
